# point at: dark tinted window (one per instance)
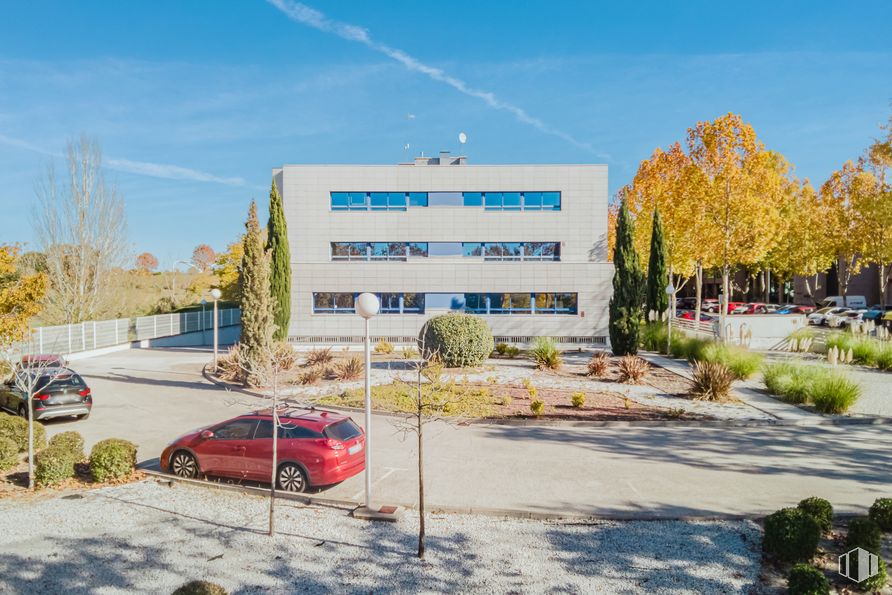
(60, 381)
(292, 431)
(240, 429)
(343, 430)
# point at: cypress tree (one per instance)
(256, 303)
(280, 254)
(657, 276)
(628, 289)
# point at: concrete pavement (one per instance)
(152, 396)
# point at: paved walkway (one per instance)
(153, 396)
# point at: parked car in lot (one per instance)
(819, 317)
(692, 315)
(844, 318)
(58, 392)
(315, 448)
(852, 301)
(45, 360)
(753, 308)
(795, 309)
(876, 312)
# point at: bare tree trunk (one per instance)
(882, 267)
(30, 440)
(698, 286)
(723, 304)
(767, 273)
(272, 491)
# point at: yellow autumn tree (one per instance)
(875, 209)
(226, 268)
(741, 185)
(20, 297)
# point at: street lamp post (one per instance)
(670, 291)
(367, 306)
(215, 293)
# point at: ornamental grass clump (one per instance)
(741, 362)
(112, 458)
(384, 347)
(319, 357)
(599, 364)
(829, 390)
(654, 337)
(349, 369)
(884, 357)
(791, 535)
(545, 354)
(577, 399)
(821, 510)
(805, 579)
(632, 369)
(712, 381)
(833, 393)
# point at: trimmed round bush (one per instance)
(111, 459)
(201, 588)
(805, 579)
(578, 399)
(881, 513)
(53, 465)
(72, 442)
(458, 339)
(821, 510)
(9, 454)
(16, 429)
(864, 533)
(791, 535)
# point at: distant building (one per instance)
(523, 246)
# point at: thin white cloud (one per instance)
(142, 168)
(311, 17)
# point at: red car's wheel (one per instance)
(291, 478)
(184, 464)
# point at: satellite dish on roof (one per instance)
(462, 137)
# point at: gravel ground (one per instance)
(515, 371)
(150, 538)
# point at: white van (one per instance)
(852, 301)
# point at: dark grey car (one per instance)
(59, 392)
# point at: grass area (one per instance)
(741, 362)
(866, 351)
(450, 399)
(830, 391)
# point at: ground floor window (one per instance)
(474, 303)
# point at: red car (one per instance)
(315, 448)
(752, 308)
(691, 315)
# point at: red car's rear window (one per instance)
(343, 430)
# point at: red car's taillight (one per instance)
(334, 444)
(42, 397)
(85, 392)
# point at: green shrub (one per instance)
(459, 339)
(791, 535)
(201, 588)
(842, 341)
(884, 357)
(385, 347)
(71, 442)
(9, 454)
(805, 579)
(865, 351)
(833, 393)
(16, 429)
(578, 399)
(830, 391)
(864, 533)
(537, 406)
(821, 510)
(512, 351)
(112, 458)
(501, 348)
(653, 337)
(53, 465)
(741, 362)
(546, 354)
(711, 381)
(877, 581)
(881, 513)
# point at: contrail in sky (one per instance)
(307, 15)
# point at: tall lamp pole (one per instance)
(367, 306)
(215, 293)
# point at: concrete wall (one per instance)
(581, 226)
(227, 335)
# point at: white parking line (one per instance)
(389, 471)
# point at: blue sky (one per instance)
(195, 102)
